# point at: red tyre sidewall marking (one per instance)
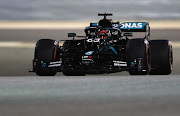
(170, 56)
(147, 56)
(55, 52)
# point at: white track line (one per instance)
(12, 44)
(17, 45)
(79, 25)
(43, 25)
(175, 44)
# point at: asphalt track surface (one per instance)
(90, 96)
(118, 94)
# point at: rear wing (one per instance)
(136, 27)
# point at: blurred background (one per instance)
(86, 10)
(23, 22)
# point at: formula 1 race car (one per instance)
(105, 48)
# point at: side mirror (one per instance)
(128, 34)
(71, 34)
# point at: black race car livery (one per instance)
(105, 48)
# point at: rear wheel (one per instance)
(138, 54)
(161, 57)
(45, 52)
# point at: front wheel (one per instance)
(45, 52)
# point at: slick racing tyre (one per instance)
(45, 52)
(138, 50)
(161, 57)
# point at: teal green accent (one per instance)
(44, 65)
(132, 63)
(113, 50)
(94, 24)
